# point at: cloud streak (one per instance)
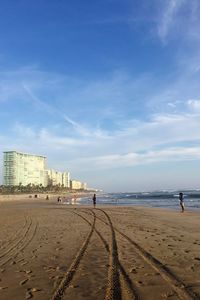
(169, 15)
(135, 158)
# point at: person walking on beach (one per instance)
(181, 202)
(94, 200)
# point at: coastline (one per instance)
(42, 196)
(47, 247)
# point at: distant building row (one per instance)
(22, 168)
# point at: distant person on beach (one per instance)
(94, 200)
(181, 198)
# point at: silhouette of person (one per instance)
(181, 198)
(94, 200)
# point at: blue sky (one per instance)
(109, 90)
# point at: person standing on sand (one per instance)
(94, 200)
(181, 202)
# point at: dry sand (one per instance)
(55, 251)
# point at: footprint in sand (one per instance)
(140, 282)
(58, 249)
(133, 270)
(29, 295)
(27, 271)
(3, 287)
(72, 286)
(34, 290)
(24, 281)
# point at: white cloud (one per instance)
(194, 105)
(135, 158)
(169, 17)
(180, 19)
(69, 134)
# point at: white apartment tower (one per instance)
(66, 179)
(22, 168)
(58, 178)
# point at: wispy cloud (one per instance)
(170, 11)
(131, 127)
(135, 158)
(194, 105)
(180, 19)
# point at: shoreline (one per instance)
(41, 196)
(68, 197)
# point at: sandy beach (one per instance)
(56, 251)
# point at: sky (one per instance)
(108, 90)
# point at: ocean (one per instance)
(163, 199)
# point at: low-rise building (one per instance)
(77, 185)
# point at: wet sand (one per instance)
(55, 251)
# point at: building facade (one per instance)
(23, 169)
(77, 185)
(58, 178)
(66, 179)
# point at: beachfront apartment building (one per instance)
(66, 179)
(58, 178)
(23, 169)
(54, 177)
(84, 186)
(77, 185)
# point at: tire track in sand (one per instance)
(73, 267)
(182, 291)
(129, 287)
(13, 237)
(21, 243)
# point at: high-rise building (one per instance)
(66, 179)
(58, 178)
(54, 177)
(22, 168)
